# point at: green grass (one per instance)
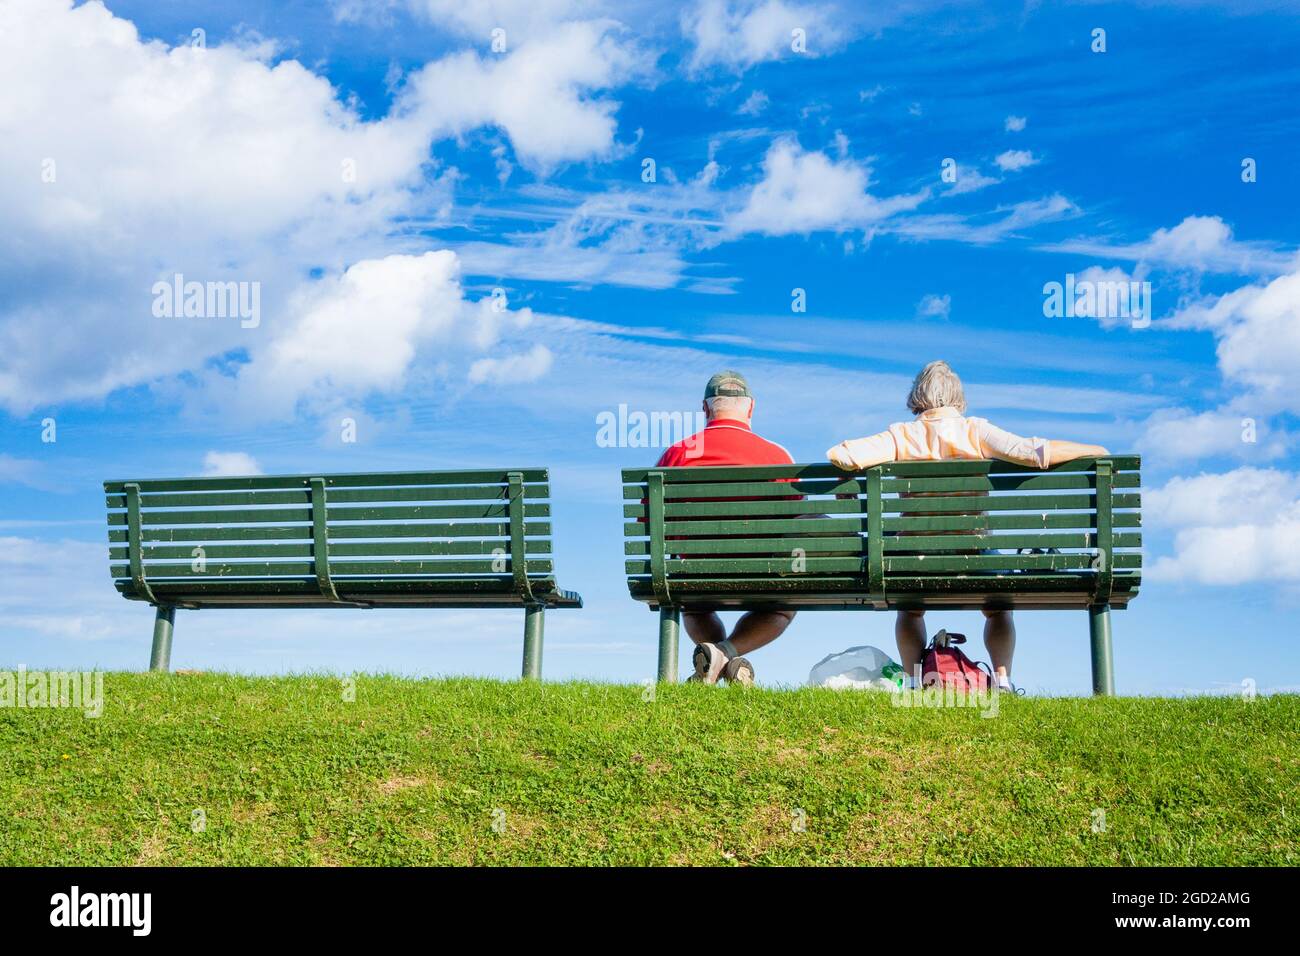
(411, 772)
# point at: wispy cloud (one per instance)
(1204, 243)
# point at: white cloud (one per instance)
(628, 236)
(221, 164)
(1010, 221)
(1257, 329)
(1237, 527)
(802, 192)
(1240, 554)
(1176, 434)
(512, 369)
(1014, 160)
(969, 180)
(542, 94)
(144, 160)
(641, 236)
(359, 333)
(1113, 297)
(556, 257)
(521, 19)
(934, 306)
(1200, 243)
(1258, 332)
(755, 104)
(1223, 500)
(736, 35)
(224, 464)
(1014, 124)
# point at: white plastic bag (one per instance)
(858, 668)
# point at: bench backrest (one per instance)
(316, 533)
(906, 528)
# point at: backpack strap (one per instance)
(949, 639)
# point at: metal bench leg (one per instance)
(1103, 666)
(534, 619)
(161, 657)
(670, 620)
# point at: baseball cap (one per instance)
(727, 383)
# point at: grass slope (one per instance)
(414, 772)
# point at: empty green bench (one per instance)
(938, 535)
(419, 539)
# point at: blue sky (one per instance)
(379, 170)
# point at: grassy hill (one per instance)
(286, 770)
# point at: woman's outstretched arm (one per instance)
(1060, 451)
(1035, 452)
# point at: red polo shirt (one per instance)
(724, 441)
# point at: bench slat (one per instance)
(857, 524)
(938, 564)
(1040, 503)
(416, 592)
(345, 495)
(961, 563)
(782, 544)
(372, 569)
(977, 483)
(858, 543)
(198, 588)
(304, 532)
(1075, 585)
(367, 480)
(1006, 522)
(256, 516)
(918, 469)
(370, 549)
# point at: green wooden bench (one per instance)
(456, 539)
(713, 538)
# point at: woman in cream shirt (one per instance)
(941, 430)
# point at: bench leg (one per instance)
(160, 659)
(534, 618)
(670, 620)
(1103, 666)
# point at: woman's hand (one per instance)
(839, 457)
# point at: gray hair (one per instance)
(935, 386)
(729, 406)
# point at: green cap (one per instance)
(728, 383)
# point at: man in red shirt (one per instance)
(728, 440)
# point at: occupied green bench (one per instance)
(457, 539)
(935, 534)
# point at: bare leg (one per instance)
(1000, 639)
(757, 629)
(909, 633)
(704, 627)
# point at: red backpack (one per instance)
(944, 663)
